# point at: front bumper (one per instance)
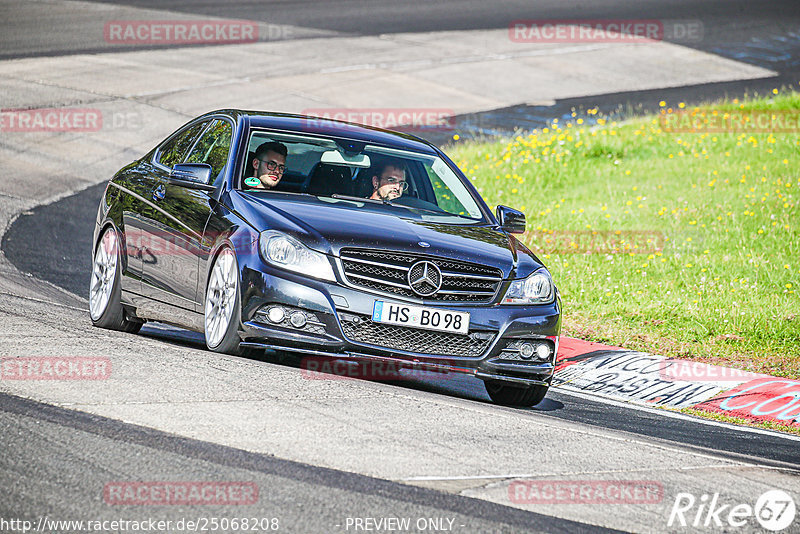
(338, 324)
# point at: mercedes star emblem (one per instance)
(425, 278)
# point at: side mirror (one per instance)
(511, 220)
(192, 175)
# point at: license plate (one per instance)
(421, 317)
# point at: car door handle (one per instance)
(159, 192)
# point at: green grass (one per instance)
(718, 279)
(766, 425)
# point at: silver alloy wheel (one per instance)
(104, 271)
(220, 297)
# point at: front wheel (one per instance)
(222, 310)
(105, 308)
(506, 394)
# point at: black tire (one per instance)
(229, 343)
(507, 394)
(113, 316)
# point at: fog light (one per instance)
(543, 351)
(276, 314)
(526, 350)
(298, 319)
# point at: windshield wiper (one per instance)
(390, 203)
(360, 199)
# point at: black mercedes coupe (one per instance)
(324, 239)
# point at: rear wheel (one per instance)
(105, 308)
(222, 310)
(507, 394)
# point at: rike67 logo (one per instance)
(774, 510)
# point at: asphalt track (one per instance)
(63, 232)
(762, 34)
(31, 430)
(735, 25)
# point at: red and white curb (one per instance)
(646, 379)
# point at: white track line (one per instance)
(675, 415)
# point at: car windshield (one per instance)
(338, 170)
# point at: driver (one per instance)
(268, 165)
(389, 182)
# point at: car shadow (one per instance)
(173, 335)
(456, 385)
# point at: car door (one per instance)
(153, 239)
(171, 274)
(132, 185)
(141, 186)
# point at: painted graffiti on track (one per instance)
(765, 398)
(640, 377)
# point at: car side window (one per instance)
(173, 151)
(213, 146)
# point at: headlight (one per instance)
(286, 252)
(538, 288)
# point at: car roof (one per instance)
(329, 127)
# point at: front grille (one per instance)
(388, 272)
(361, 329)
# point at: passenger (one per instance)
(389, 182)
(268, 165)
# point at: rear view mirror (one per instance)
(511, 220)
(334, 157)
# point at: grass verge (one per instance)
(679, 243)
(766, 425)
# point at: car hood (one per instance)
(329, 225)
